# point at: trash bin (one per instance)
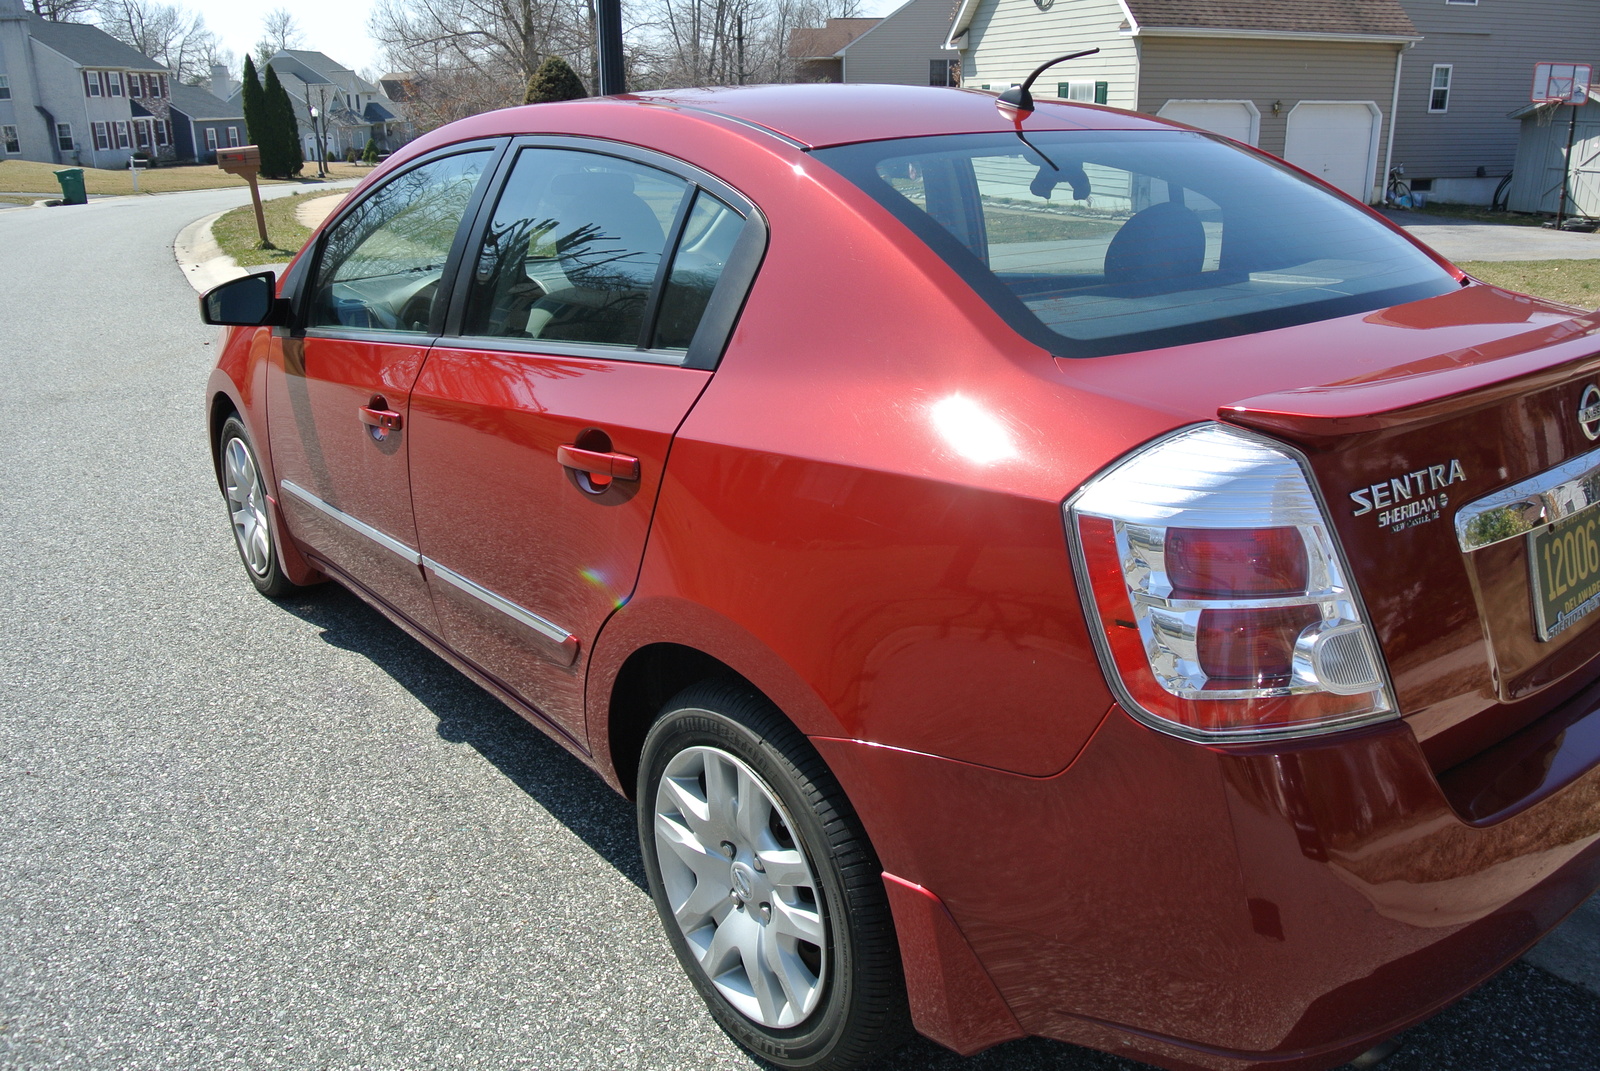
(72, 192)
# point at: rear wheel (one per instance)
(247, 510)
(770, 893)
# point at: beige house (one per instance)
(818, 51)
(1313, 83)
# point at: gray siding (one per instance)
(1492, 46)
(1009, 38)
(898, 49)
(1264, 71)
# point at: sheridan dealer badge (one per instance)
(1414, 498)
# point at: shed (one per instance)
(1542, 158)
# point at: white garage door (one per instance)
(1337, 141)
(1235, 119)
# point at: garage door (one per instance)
(1337, 141)
(1231, 118)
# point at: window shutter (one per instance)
(1063, 90)
(1102, 92)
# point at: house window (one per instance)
(233, 136)
(122, 136)
(102, 135)
(141, 131)
(944, 72)
(5, 88)
(1472, 3)
(1439, 93)
(64, 137)
(163, 132)
(8, 134)
(211, 138)
(135, 85)
(91, 83)
(159, 87)
(113, 83)
(1087, 92)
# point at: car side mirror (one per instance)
(249, 301)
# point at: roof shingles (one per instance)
(1383, 18)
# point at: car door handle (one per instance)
(601, 463)
(387, 419)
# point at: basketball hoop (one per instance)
(1561, 83)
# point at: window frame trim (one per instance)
(1448, 88)
(5, 87)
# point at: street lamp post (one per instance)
(316, 136)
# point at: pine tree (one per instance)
(370, 155)
(554, 80)
(256, 122)
(285, 127)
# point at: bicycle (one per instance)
(1398, 192)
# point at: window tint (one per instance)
(381, 264)
(703, 251)
(574, 248)
(1094, 243)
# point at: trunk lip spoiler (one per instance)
(1536, 502)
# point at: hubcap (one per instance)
(752, 917)
(247, 506)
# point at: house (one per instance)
(202, 122)
(1541, 161)
(70, 94)
(1471, 69)
(1313, 83)
(349, 109)
(906, 47)
(817, 51)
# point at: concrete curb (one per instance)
(202, 260)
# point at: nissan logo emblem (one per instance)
(1589, 412)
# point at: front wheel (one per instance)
(247, 510)
(770, 893)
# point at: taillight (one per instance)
(1222, 605)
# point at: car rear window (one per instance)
(1102, 242)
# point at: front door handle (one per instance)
(598, 462)
(386, 419)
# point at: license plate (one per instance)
(1565, 563)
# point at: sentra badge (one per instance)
(1412, 498)
(1589, 412)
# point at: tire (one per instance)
(748, 837)
(246, 497)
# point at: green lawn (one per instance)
(1574, 282)
(27, 176)
(236, 233)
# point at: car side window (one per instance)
(381, 265)
(708, 240)
(574, 248)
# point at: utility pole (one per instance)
(608, 31)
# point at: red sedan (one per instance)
(1044, 571)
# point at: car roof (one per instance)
(821, 114)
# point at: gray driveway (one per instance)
(240, 834)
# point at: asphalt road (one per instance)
(240, 834)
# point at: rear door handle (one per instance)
(387, 419)
(600, 463)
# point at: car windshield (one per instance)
(1099, 242)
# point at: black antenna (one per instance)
(1019, 98)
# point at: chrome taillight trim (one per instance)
(1530, 504)
(1113, 674)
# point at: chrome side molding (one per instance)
(387, 542)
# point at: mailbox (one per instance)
(239, 159)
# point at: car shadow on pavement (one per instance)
(1521, 1020)
(572, 793)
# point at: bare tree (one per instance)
(63, 10)
(279, 31)
(469, 56)
(726, 42)
(169, 34)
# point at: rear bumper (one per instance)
(1195, 907)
